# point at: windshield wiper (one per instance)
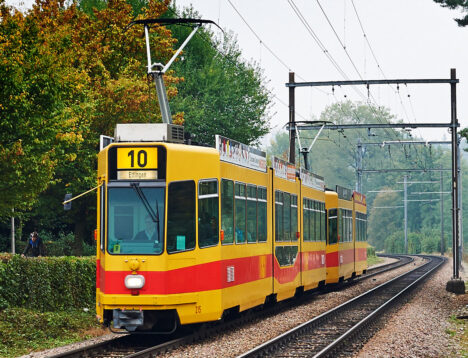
(154, 216)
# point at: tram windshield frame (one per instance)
(135, 218)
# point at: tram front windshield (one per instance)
(135, 221)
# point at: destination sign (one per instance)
(235, 152)
(137, 175)
(137, 158)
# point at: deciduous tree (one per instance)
(456, 4)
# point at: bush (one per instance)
(414, 243)
(430, 244)
(370, 251)
(395, 243)
(47, 283)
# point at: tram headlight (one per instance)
(133, 282)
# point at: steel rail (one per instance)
(284, 340)
(366, 320)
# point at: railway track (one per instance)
(327, 334)
(133, 346)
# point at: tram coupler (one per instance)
(130, 320)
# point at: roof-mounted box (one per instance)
(149, 132)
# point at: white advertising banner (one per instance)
(312, 180)
(284, 169)
(235, 152)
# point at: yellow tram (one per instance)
(187, 234)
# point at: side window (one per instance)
(332, 226)
(262, 214)
(313, 221)
(340, 225)
(293, 217)
(208, 232)
(240, 232)
(323, 223)
(181, 216)
(227, 210)
(278, 216)
(350, 226)
(359, 227)
(251, 213)
(316, 221)
(287, 216)
(365, 228)
(305, 219)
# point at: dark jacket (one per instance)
(36, 247)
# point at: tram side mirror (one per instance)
(67, 205)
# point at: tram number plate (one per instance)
(137, 158)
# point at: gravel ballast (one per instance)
(423, 327)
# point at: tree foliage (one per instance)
(456, 4)
(72, 70)
(68, 77)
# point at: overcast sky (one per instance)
(410, 39)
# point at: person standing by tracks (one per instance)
(35, 246)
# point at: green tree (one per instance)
(456, 4)
(36, 124)
(69, 77)
(395, 243)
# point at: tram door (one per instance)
(286, 243)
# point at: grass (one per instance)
(23, 331)
(459, 332)
(373, 260)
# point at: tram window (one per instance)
(208, 233)
(305, 220)
(332, 226)
(311, 221)
(319, 221)
(181, 216)
(251, 213)
(278, 216)
(287, 216)
(262, 214)
(240, 213)
(323, 222)
(340, 225)
(135, 220)
(365, 228)
(344, 221)
(350, 226)
(360, 227)
(227, 210)
(316, 221)
(345, 225)
(293, 217)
